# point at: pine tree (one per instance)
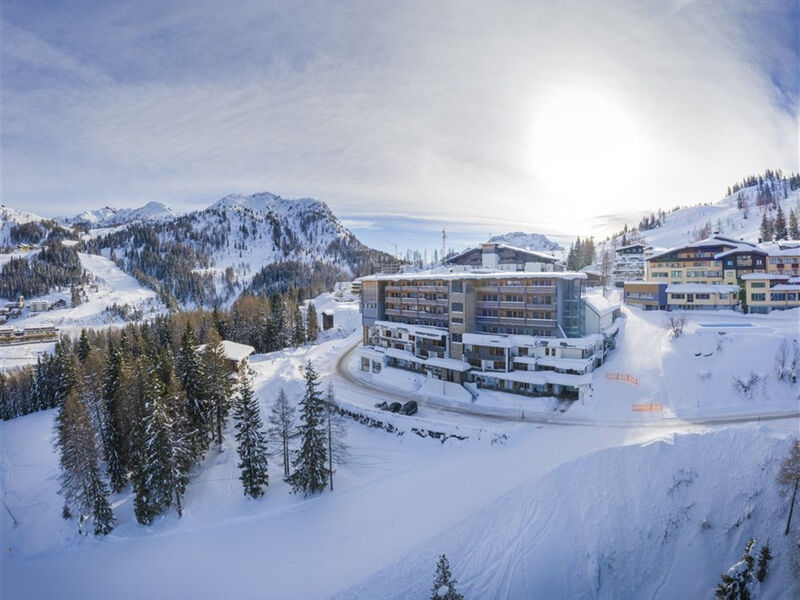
(764, 556)
(281, 421)
(298, 326)
(766, 227)
(444, 586)
(252, 447)
(189, 369)
(81, 485)
(217, 384)
(276, 335)
(115, 446)
(162, 472)
(794, 230)
(75, 295)
(312, 325)
(780, 225)
(84, 346)
(310, 462)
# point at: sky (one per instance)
(566, 118)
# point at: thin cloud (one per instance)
(406, 109)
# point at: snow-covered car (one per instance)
(394, 407)
(409, 408)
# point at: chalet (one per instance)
(327, 319)
(236, 354)
(60, 303)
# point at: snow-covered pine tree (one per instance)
(794, 230)
(766, 228)
(336, 432)
(781, 232)
(444, 586)
(764, 556)
(84, 346)
(115, 445)
(217, 384)
(252, 447)
(312, 324)
(281, 428)
(189, 369)
(298, 326)
(83, 490)
(310, 463)
(162, 473)
(276, 334)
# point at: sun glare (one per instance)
(585, 141)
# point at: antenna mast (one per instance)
(444, 244)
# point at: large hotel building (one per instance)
(490, 323)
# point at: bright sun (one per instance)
(584, 141)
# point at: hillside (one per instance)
(737, 215)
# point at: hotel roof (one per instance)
(476, 274)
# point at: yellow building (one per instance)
(696, 296)
(765, 292)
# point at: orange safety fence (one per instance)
(648, 407)
(622, 377)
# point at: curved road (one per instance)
(379, 393)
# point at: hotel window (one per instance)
(457, 286)
(457, 307)
(456, 337)
(758, 297)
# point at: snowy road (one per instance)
(371, 393)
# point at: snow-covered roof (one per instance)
(717, 240)
(419, 330)
(232, 350)
(787, 251)
(785, 287)
(629, 246)
(508, 341)
(763, 276)
(328, 312)
(599, 304)
(426, 276)
(741, 248)
(700, 288)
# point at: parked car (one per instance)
(409, 408)
(395, 407)
(381, 405)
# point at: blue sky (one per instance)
(564, 118)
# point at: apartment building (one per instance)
(520, 332)
(765, 292)
(714, 260)
(628, 263)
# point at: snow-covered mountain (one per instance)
(217, 252)
(19, 226)
(531, 241)
(112, 217)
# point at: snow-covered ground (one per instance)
(521, 509)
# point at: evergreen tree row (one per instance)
(267, 324)
(54, 265)
(581, 254)
(777, 227)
